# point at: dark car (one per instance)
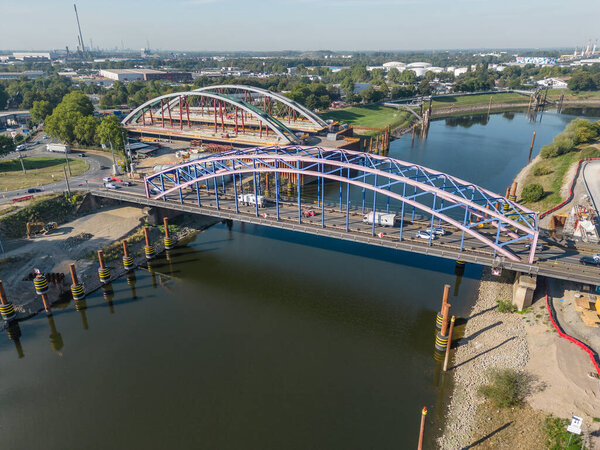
(33, 190)
(588, 260)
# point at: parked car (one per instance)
(589, 261)
(45, 136)
(425, 235)
(310, 213)
(111, 186)
(20, 147)
(437, 231)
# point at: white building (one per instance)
(554, 83)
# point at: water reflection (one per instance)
(467, 121)
(13, 332)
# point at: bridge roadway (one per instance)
(553, 261)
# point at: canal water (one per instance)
(255, 338)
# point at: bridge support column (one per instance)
(523, 289)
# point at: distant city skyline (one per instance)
(274, 25)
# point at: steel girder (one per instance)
(432, 192)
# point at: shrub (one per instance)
(541, 170)
(506, 306)
(532, 192)
(507, 387)
(549, 151)
(590, 152)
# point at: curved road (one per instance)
(99, 162)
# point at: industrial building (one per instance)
(144, 75)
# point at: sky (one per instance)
(263, 25)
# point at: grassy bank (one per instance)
(555, 170)
(478, 100)
(40, 171)
(370, 116)
(49, 208)
(554, 94)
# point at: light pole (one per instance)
(115, 171)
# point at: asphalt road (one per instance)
(100, 165)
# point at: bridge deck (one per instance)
(553, 262)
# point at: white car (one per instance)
(425, 235)
(111, 186)
(437, 231)
(20, 147)
(107, 179)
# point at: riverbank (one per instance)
(526, 342)
(76, 242)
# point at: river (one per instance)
(256, 338)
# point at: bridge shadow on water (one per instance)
(416, 260)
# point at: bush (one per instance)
(549, 151)
(506, 306)
(507, 387)
(532, 192)
(541, 170)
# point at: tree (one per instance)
(85, 130)
(40, 110)
(532, 192)
(393, 75)
(582, 81)
(347, 86)
(408, 77)
(110, 130)
(74, 107)
(3, 97)
(424, 88)
(6, 145)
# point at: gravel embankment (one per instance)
(492, 340)
(88, 270)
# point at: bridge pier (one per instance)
(157, 215)
(523, 289)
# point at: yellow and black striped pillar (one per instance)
(103, 271)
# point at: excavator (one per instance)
(34, 228)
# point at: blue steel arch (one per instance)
(356, 168)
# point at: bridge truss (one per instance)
(393, 186)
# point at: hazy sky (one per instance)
(300, 24)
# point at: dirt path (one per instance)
(68, 243)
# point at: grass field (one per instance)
(554, 94)
(476, 100)
(553, 182)
(40, 171)
(370, 116)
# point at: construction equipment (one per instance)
(34, 228)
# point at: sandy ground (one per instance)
(55, 251)
(560, 371)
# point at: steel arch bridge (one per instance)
(493, 221)
(190, 112)
(293, 113)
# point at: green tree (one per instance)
(3, 97)
(40, 110)
(74, 107)
(347, 86)
(532, 192)
(408, 77)
(582, 81)
(110, 130)
(393, 75)
(6, 145)
(85, 130)
(424, 88)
